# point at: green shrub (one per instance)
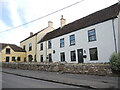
(115, 62)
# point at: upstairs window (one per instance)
(24, 47)
(91, 35)
(49, 44)
(72, 39)
(62, 42)
(7, 50)
(30, 46)
(41, 46)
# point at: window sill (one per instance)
(72, 44)
(73, 61)
(94, 60)
(61, 47)
(92, 40)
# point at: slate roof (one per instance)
(32, 35)
(13, 46)
(92, 19)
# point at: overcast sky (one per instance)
(16, 12)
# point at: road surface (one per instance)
(14, 81)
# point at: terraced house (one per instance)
(11, 53)
(91, 39)
(30, 44)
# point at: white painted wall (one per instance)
(40, 36)
(104, 43)
(42, 52)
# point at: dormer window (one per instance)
(7, 50)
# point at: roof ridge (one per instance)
(97, 17)
(13, 46)
(34, 34)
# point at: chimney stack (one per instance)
(31, 33)
(50, 24)
(63, 21)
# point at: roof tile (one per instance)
(92, 19)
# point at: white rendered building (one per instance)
(91, 39)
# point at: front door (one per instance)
(7, 59)
(80, 55)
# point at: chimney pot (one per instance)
(31, 33)
(50, 24)
(63, 21)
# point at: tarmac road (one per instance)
(14, 81)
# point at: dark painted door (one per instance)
(80, 55)
(7, 59)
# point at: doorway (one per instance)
(30, 58)
(80, 55)
(50, 57)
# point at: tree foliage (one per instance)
(115, 62)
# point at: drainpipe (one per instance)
(114, 35)
(46, 50)
(35, 57)
(119, 29)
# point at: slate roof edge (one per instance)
(112, 17)
(10, 45)
(33, 35)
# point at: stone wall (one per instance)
(94, 69)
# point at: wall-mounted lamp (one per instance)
(84, 51)
(53, 51)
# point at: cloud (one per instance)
(17, 12)
(5, 15)
(21, 15)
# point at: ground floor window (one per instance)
(24, 59)
(18, 59)
(73, 55)
(7, 59)
(13, 58)
(41, 58)
(93, 54)
(62, 56)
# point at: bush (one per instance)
(115, 62)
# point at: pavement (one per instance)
(81, 80)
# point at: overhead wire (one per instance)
(41, 17)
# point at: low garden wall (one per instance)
(94, 69)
